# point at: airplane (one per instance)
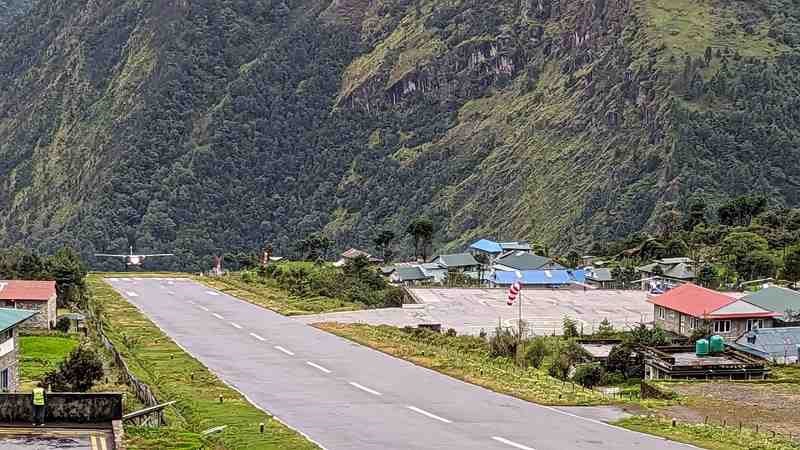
(131, 259)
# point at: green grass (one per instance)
(158, 361)
(712, 437)
(271, 296)
(460, 358)
(41, 354)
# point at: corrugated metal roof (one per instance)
(11, 317)
(526, 261)
(410, 273)
(516, 245)
(456, 260)
(599, 274)
(487, 246)
(775, 299)
(541, 277)
(27, 290)
(741, 309)
(771, 342)
(693, 300)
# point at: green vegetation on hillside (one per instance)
(212, 127)
(40, 355)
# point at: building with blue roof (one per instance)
(542, 278)
(487, 246)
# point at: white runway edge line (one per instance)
(132, 294)
(202, 307)
(212, 293)
(257, 337)
(218, 316)
(235, 325)
(365, 389)
(512, 443)
(426, 413)
(317, 366)
(281, 349)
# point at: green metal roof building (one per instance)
(9, 346)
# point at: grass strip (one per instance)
(275, 298)
(175, 375)
(460, 357)
(712, 437)
(41, 354)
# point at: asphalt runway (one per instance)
(345, 396)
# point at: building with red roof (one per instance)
(689, 307)
(39, 296)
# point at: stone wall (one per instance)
(64, 407)
(47, 313)
(10, 361)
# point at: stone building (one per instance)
(10, 319)
(689, 307)
(38, 296)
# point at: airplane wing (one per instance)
(157, 254)
(110, 256)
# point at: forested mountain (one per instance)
(9, 9)
(207, 126)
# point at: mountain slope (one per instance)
(216, 126)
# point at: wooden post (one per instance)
(674, 423)
(261, 427)
(756, 428)
(740, 427)
(220, 398)
(705, 421)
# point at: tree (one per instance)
(641, 335)
(707, 276)
(421, 230)
(605, 330)
(740, 246)
(315, 246)
(741, 210)
(696, 214)
(791, 265)
(69, 273)
(77, 373)
(622, 359)
(383, 241)
(676, 248)
(535, 351)
(758, 264)
(483, 260)
(589, 375)
(573, 259)
(569, 328)
(356, 267)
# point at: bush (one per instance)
(77, 373)
(605, 330)
(560, 367)
(589, 375)
(624, 360)
(503, 343)
(451, 332)
(63, 324)
(535, 352)
(570, 328)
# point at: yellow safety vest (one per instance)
(38, 396)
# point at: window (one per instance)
(662, 312)
(6, 335)
(4, 380)
(754, 324)
(722, 326)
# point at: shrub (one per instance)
(560, 367)
(624, 360)
(63, 324)
(589, 375)
(605, 330)
(503, 343)
(534, 353)
(570, 328)
(77, 373)
(451, 332)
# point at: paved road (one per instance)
(345, 396)
(50, 439)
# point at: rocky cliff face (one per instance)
(215, 126)
(10, 9)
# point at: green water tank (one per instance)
(717, 344)
(701, 347)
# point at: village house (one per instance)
(778, 345)
(689, 307)
(673, 270)
(494, 250)
(38, 296)
(409, 275)
(352, 254)
(525, 261)
(600, 277)
(458, 262)
(10, 319)
(780, 300)
(547, 279)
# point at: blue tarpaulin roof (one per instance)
(487, 246)
(533, 277)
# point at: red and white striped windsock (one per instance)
(513, 292)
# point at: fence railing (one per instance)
(142, 391)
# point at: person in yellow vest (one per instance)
(38, 406)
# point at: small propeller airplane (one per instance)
(131, 259)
